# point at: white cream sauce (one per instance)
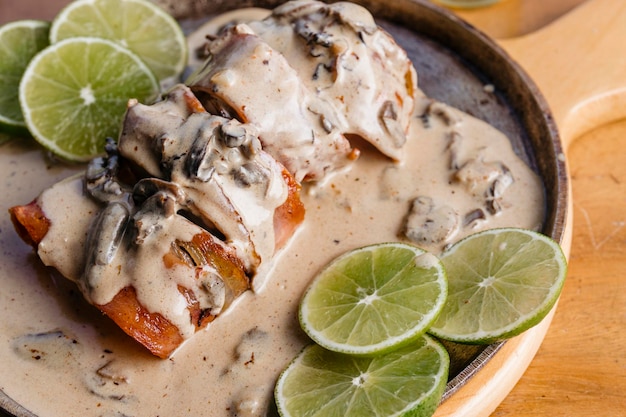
(60, 357)
(230, 368)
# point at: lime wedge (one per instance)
(74, 94)
(19, 42)
(139, 25)
(501, 283)
(406, 382)
(374, 299)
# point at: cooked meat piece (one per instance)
(167, 230)
(350, 62)
(178, 300)
(329, 69)
(245, 78)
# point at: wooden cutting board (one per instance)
(579, 64)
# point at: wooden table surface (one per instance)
(580, 369)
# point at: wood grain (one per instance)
(580, 369)
(579, 63)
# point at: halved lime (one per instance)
(139, 25)
(19, 42)
(374, 299)
(74, 94)
(406, 382)
(501, 283)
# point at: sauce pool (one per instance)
(60, 357)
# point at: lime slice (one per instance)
(374, 299)
(139, 25)
(406, 382)
(19, 42)
(501, 283)
(74, 94)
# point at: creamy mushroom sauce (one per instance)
(330, 71)
(60, 357)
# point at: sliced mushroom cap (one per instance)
(148, 187)
(144, 125)
(103, 242)
(487, 181)
(101, 175)
(430, 224)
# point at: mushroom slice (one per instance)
(430, 224)
(103, 244)
(144, 125)
(487, 181)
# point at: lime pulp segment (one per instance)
(19, 42)
(74, 94)
(374, 299)
(501, 282)
(409, 381)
